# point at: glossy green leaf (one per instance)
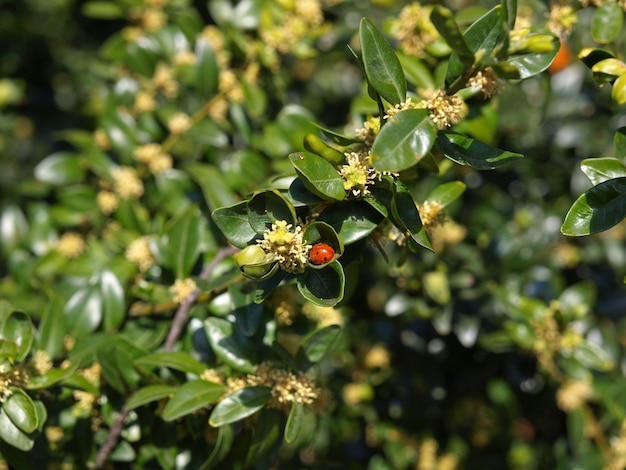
(8, 349)
(336, 137)
(608, 70)
(102, 10)
(317, 345)
(531, 63)
(148, 394)
(382, 67)
(602, 169)
(509, 12)
(83, 311)
(577, 300)
(403, 141)
(469, 152)
(268, 428)
(21, 410)
(315, 144)
(50, 378)
(234, 224)
(17, 327)
(324, 286)
(113, 300)
(318, 175)
(447, 193)
(443, 19)
(207, 72)
(228, 344)
(12, 435)
(223, 445)
(619, 89)
(51, 329)
(321, 232)
(598, 209)
(294, 422)
(405, 214)
(182, 240)
(267, 207)
(13, 228)
(606, 22)
(619, 143)
(592, 356)
(239, 405)
(178, 360)
(60, 168)
(192, 396)
(352, 220)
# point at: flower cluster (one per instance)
(287, 387)
(85, 401)
(139, 253)
(41, 362)
(154, 157)
(486, 81)
(126, 183)
(357, 173)
(573, 394)
(561, 19)
(414, 30)
(369, 131)
(71, 245)
(288, 246)
(445, 110)
(432, 214)
(181, 289)
(16, 377)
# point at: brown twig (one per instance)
(178, 324)
(114, 433)
(182, 314)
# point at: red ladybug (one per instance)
(321, 253)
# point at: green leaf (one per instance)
(294, 422)
(102, 10)
(83, 311)
(469, 152)
(599, 170)
(17, 327)
(50, 378)
(267, 429)
(592, 356)
(619, 143)
(406, 216)
(223, 445)
(207, 72)
(61, 168)
(21, 411)
(317, 344)
(447, 193)
(509, 12)
(606, 22)
(619, 89)
(234, 224)
(178, 360)
(598, 209)
(113, 300)
(228, 345)
(382, 67)
(12, 435)
(352, 220)
(336, 137)
(443, 20)
(577, 300)
(318, 176)
(239, 405)
(403, 141)
(192, 396)
(529, 64)
(148, 394)
(608, 70)
(266, 207)
(51, 329)
(417, 73)
(182, 242)
(324, 286)
(8, 349)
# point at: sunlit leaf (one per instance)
(239, 405)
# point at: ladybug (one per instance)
(321, 253)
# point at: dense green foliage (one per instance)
(312, 234)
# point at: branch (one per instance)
(114, 433)
(182, 314)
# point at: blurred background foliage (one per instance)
(503, 348)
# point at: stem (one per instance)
(182, 314)
(109, 444)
